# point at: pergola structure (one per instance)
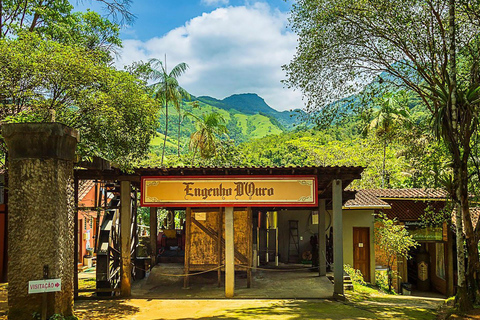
(330, 182)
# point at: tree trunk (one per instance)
(471, 239)
(461, 189)
(166, 132)
(462, 300)
(178, 138)
(383, 165)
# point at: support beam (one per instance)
(186, 268)
(322, 242)
(450, 258)
(153, 236)
(229, 254)
(219, 245)
(125, 238)
(337, 239)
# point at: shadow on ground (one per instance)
(104, 309)
(153, 309)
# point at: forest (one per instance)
(392, 86)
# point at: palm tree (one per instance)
(205, 139)
(167, 90)
(386, 120)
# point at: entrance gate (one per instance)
(222, 250)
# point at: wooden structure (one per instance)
(219, 228)
(205, 245)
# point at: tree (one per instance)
(394, 242)
(40, 79)
(53, 16)
(167, 90)
(205, 139)
(387, 120)
(428, 47)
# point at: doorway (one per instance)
(361, 251)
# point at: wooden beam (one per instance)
(229, 254)
(125, 239)
(188, 230)
(153, 236)
(75, 241)
(219, 245)
(337, 239)
(249, 248)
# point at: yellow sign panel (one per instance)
(229, 191)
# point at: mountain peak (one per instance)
(249, 103)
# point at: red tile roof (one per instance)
(411, 210)
(474, 214)
(412, 193)
(364, 199)
(84, 187)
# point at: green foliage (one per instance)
(355, 275)
(382, 281)
(166, 90)
(394, 242)
(43, 80)
(206, 139)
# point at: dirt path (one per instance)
(142, 309)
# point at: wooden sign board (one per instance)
(48, 285)
(236, 191)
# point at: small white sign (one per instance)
(314, 217)
(200, 216)
(48, 285)
(360, 244)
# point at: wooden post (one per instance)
(450, 274)
(229, 254)
(322, 243)
(188, 224)
(125, 238)
(249, 249)
(153, 236)
(75, 240)
(219, 245)
(337, 239)
(258, 239)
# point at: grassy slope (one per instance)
(251, 126)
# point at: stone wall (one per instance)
(52, 181)
(40, 220)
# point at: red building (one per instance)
(87, 219)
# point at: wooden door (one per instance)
(361, 251)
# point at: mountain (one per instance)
(247, 117)
(251, 104)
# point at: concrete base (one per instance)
(303, 284)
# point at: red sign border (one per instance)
(239, 204)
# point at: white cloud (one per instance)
(214, 2)
(229, 50)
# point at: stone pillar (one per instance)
(229, 254)
(337, 239)
(322, 242)
(41, 215)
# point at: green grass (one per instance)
(158, 141)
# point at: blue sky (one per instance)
(231, 46)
